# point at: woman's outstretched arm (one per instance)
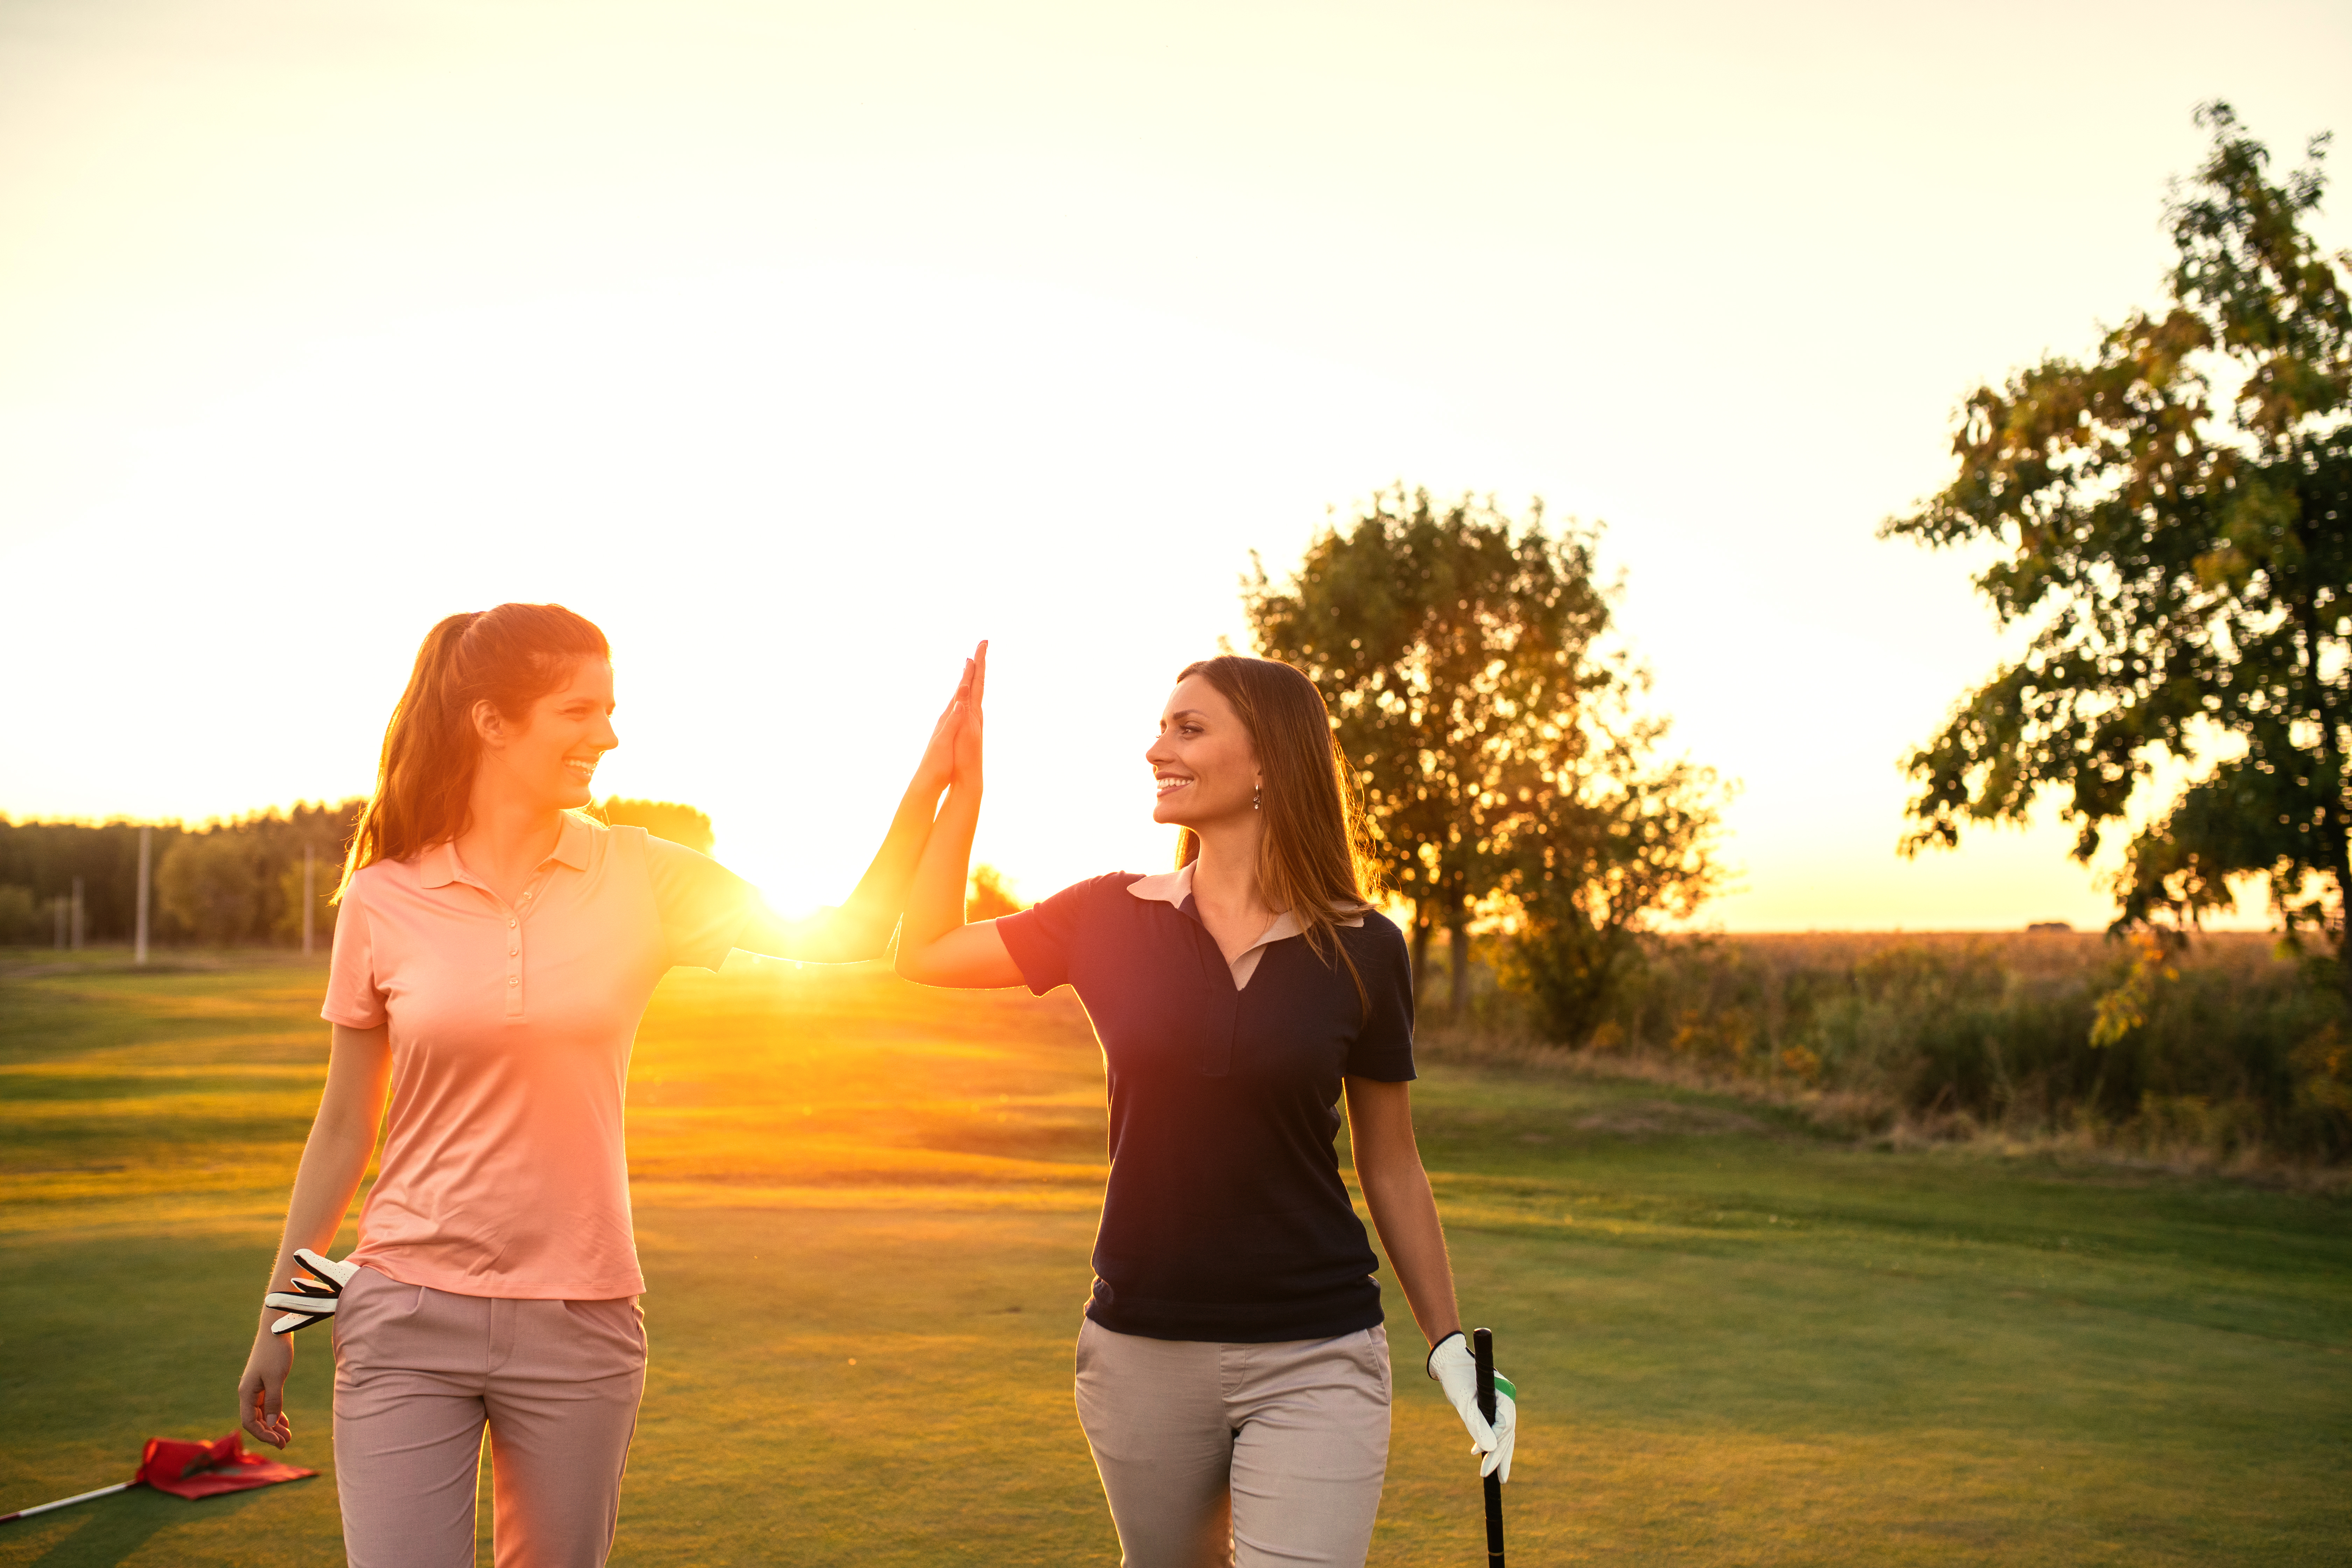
(1404, 1211)
(860, 928)
(935, 946)
(342, 1136)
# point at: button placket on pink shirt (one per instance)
(517, 916)
(517, 919)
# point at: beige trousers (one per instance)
(419, 1372)
(1248, 1455)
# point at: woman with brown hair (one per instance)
(495, 950)
(1232, 1373)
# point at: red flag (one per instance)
(208, 1469)
(190, 1470)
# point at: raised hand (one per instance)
(938, 767)
(969, 731)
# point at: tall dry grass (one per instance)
(2231, 1054)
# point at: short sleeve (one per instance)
(356, 993)
(703, 904)
(1383, 1048)
(1040, 937)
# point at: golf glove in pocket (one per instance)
(1456, 1372)
(312, 1300)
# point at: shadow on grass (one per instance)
(113, 1528)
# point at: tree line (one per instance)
(223, 884)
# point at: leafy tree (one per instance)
(2174, 523)
(326, 871)
(990, 894)
(663, 819)
(1457, 651)
(22, 919)
(1605, 847)
(276, 839)
(211, 885)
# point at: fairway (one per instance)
(865, 1212)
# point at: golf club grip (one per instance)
(1482, 1350)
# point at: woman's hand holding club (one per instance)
(1456, 1372)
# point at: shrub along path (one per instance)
(865, 1212)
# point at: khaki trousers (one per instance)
(1247, 1455)
(419, 1372)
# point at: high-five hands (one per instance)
(312, 1300)
(1456, 1372)
(969, 698)
(938, 764)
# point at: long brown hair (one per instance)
(1317, 851)
(510, 657)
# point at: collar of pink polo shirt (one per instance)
(1176, 887)
(439, 866)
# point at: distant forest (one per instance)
(223, 884)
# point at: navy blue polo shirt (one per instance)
(1225, 1218)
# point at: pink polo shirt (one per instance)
(503, 1171)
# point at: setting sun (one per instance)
(1053, 783)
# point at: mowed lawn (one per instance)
(865, 1211)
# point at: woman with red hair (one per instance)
(495, 949)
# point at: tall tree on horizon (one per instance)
(1453, 646)
(2173, 520)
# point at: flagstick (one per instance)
(67, 1501)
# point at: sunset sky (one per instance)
(800, 346)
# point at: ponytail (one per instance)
(510, 657)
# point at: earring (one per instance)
(1257, 793)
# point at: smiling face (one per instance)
(551, 758)
(1203, 763)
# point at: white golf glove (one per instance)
(312, 1300)
(1456, 1372)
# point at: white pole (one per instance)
(68, 1501)
(309, 893)
(77, 915)
(146, 864)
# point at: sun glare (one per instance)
(800, 348)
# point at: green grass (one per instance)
(1737, 1343)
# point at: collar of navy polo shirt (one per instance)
(1176, 887)
(439, 866)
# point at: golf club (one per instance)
(1482, 1348)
